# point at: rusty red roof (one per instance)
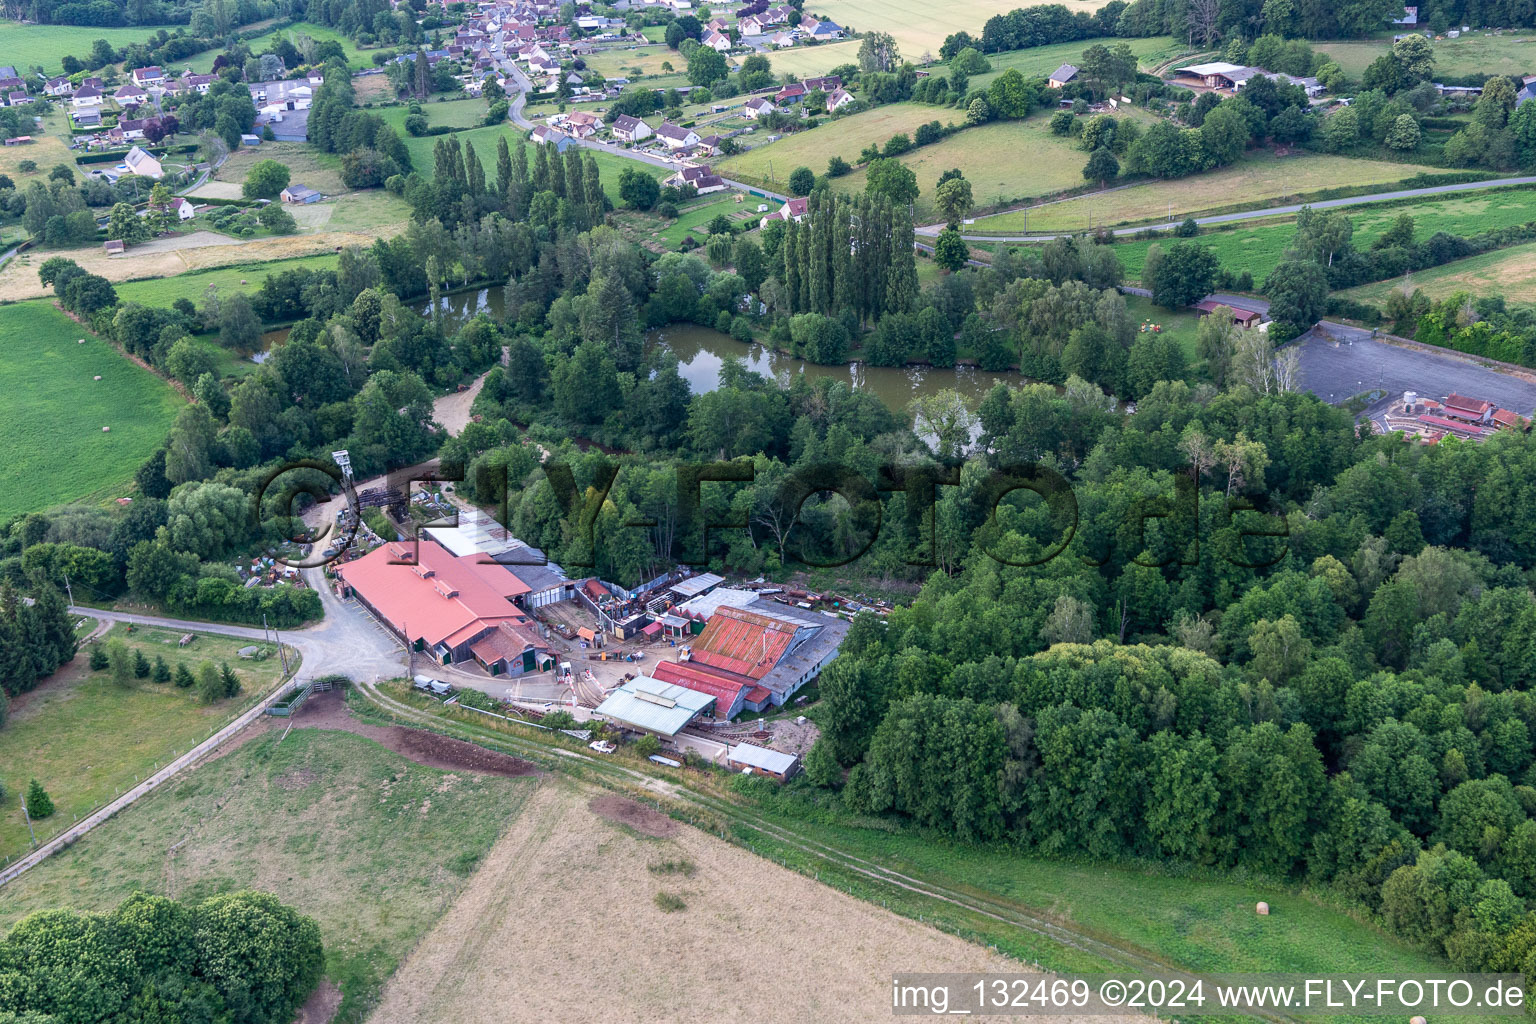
(743, 642)
(701, 679)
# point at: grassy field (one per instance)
(305, 164)
(246, 277)
(372, 846)
(1259, 176)
(632, 60)
(47, 45)
(466, 113)
(356, 58)
(692, 219)
(918, 27)
(55, 448)
(809, 61)
(844, 137)
(679, 892)
(1257, 249)
(55, 732)
(991, 157)
(1039, 61)
(1179, 324)
(373, 210)
(1508, 272)
(1480, 52)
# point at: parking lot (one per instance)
(1336, 372)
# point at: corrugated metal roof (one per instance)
(695, 585)
(654, 706)
(761, 757)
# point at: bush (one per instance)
(161, 673)
(670, 903)
(801, 181)
(560, 720)
(1187, 229)
(647, 745)
(98, 658)
(265, 180)
(183, 677)
(837, 167)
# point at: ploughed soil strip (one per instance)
(645, 820)
(327, 710)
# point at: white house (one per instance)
(717, 42)
(677, 138)
(839, 98)
(1062, 75)
(184, 208)
(60, 86)
(630, 129)
(820, 29)
(130, 96)
(148, 76)
(87, 96)
(794, 210)
(141, 163)
(758, 106)
(701, 178)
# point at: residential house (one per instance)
(17, 99)
(630, 129)
(781, 40)
(758, 106)
(752, 25)
(87, 96)
(130, 95)
(148, 76)
(141, 163)
(839, 98)
(10, 82)
(820, 29)
(198, 83)
(60, 86)
(826, 83)
(677, 138)
(545, 134)
(794, 92)
(777, 15)
(184, 208)
(129, 129)
(702, 178)
(794, 210)
(717, 42)
(1062, 75)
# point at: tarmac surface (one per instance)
(1336, 372)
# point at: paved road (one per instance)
(1273, 211)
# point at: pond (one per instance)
(701, 351)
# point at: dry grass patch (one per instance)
(918, 27)
(1509, 272)
(45, 150)
(19, 278)
(845, 137)
(611, 934)
(305, 164)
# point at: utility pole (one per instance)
(24, 814)
(68, 590)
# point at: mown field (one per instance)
(1259, 248)
(47, 45)
(244, 277)
(1479, 52)
(373, 846)
(918, 27)
(809, 61)
(1258, 176)
(51, 432)
(465, 113)
(1510, 273)
(55, 732)
(692, 219)
(631, 60)
(373, 210)
(840, 951)
(844, 137)
(993, 157)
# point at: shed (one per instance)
(762, 761)
(114, 247)
(649, 705)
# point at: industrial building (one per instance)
(455, 608)
(649, 705)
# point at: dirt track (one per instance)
(328, 711)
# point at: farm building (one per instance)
(1241, 317)
(1469, 410)
(649, 705)
(300, 194)
(478, 535)
(777, 648)
(450, 607)
(1062, 75)
(749, 757)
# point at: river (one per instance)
(701, 351)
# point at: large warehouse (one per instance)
(455, 608)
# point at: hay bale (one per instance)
(105, 430)
(97, 377)
(1262, 909)
(1416, 1020)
